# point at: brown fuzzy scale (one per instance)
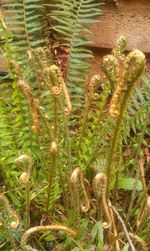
(76, 181)
(99, 187)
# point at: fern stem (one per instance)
(52, 171)
(27, 190)
(115, 138)
(84, 126)
(68, 143)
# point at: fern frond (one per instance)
(138, 109)
(71, 17)
(24, 20)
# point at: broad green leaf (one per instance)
(126, 247)
(129, 183)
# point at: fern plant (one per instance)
(51, 118)
(24, 21)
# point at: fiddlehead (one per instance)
(76, 181)
(99, 187)
(27, 91)
(118, 52)
(32, 103)
(110, 66)
(133, 68)
(42, 229)
(12, 214)
(58, 82)
(93, 85)
(26, 161)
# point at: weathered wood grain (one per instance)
(130, 18)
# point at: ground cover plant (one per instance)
(74, 151)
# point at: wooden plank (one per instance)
(130, 18)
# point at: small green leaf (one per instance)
(75, 249)
(126, 247)
(129, 183)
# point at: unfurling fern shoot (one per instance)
(26, 161)
(133, 68)
(11, 213)
(99, 187)
(77, 184)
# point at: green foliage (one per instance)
(129, 183)
(137, 111)
(24, 20)
(70, 19)
(60, 121)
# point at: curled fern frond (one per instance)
(12, 214)
(76, 181)
(99, 187)
(57, 79)
(133, 68)
(110, 66)
(118, 52)
(24, 160)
